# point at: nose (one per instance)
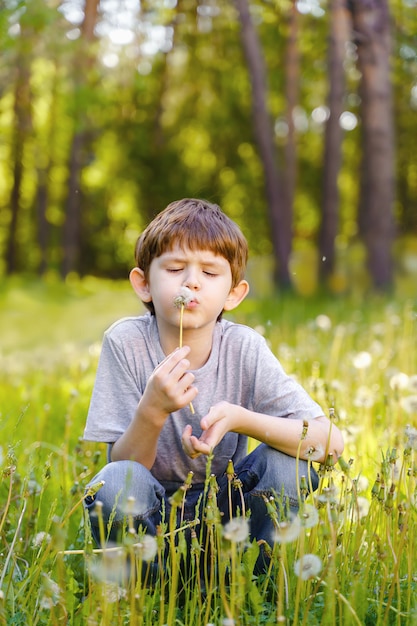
(191, 280)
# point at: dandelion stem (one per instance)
(10, 552)
(181, 321)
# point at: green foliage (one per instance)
(172, 122)
(359, 362)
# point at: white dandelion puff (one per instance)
(236, 530)
(147, 548)
(110, 567)
(51, 593)
(409, 404)
(309, 516)
(315, 453)
(184, 297)
(132, 506)
(362, 484)
(288, 531)
(40, 538)
(412, 383)
(411, 434)
(364, 398)
(309, 566)
(362, 508)
(323, 322)
(399, 381)
(114, 593)
(362, 360)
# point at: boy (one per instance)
(164, 408)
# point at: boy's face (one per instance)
(207, 276)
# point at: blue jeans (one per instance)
(263, 472)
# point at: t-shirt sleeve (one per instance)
(277, 393)
(115, 394)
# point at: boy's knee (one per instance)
(124, 490)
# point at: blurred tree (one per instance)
(279, 212)
(372, 29)
(22, 129)
(339, 35)
(84, 60)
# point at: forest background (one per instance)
(297, 117)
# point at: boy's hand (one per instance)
(215, 425)
(169, 388)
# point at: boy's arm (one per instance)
(319, 438)
(168, 389)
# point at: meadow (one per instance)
(348, 558)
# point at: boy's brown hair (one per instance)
(197, 225)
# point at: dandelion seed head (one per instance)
(51, 593)
(184, 297)
(362, 508)
(110, 567)
(399, 381)
(362, 360)
(412, 383)
(236, 530)
(309, 516)
(33, 488)
(411, 434)
(409, 403)
(315, 453)
(323, 322)
(147, 548)
(288, 531)
(364, 398)
(114, 593)
(309, 566)
(362, 484)
(40, 538)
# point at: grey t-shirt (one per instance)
(241, 369)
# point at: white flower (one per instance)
(399, 381)
(110, 567)
(147, 548)
(411, 434)
(409, 404)
(184, 297)
(236, 530)
(323, 322)
(412, 383)
(362, 360)
(362, 507)
(308, 566)
(288, 531)
(315, 453)
(364, 398)
(51, 591)
(114, 593)
(40, 538)
(309, 516)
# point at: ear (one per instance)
(236, 295)
(140, 284)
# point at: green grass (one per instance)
(360, 524)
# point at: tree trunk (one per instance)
(371, 23)
(82, 66)
(22, 128)
(292, 84)
(281, 222)
(339, 36)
